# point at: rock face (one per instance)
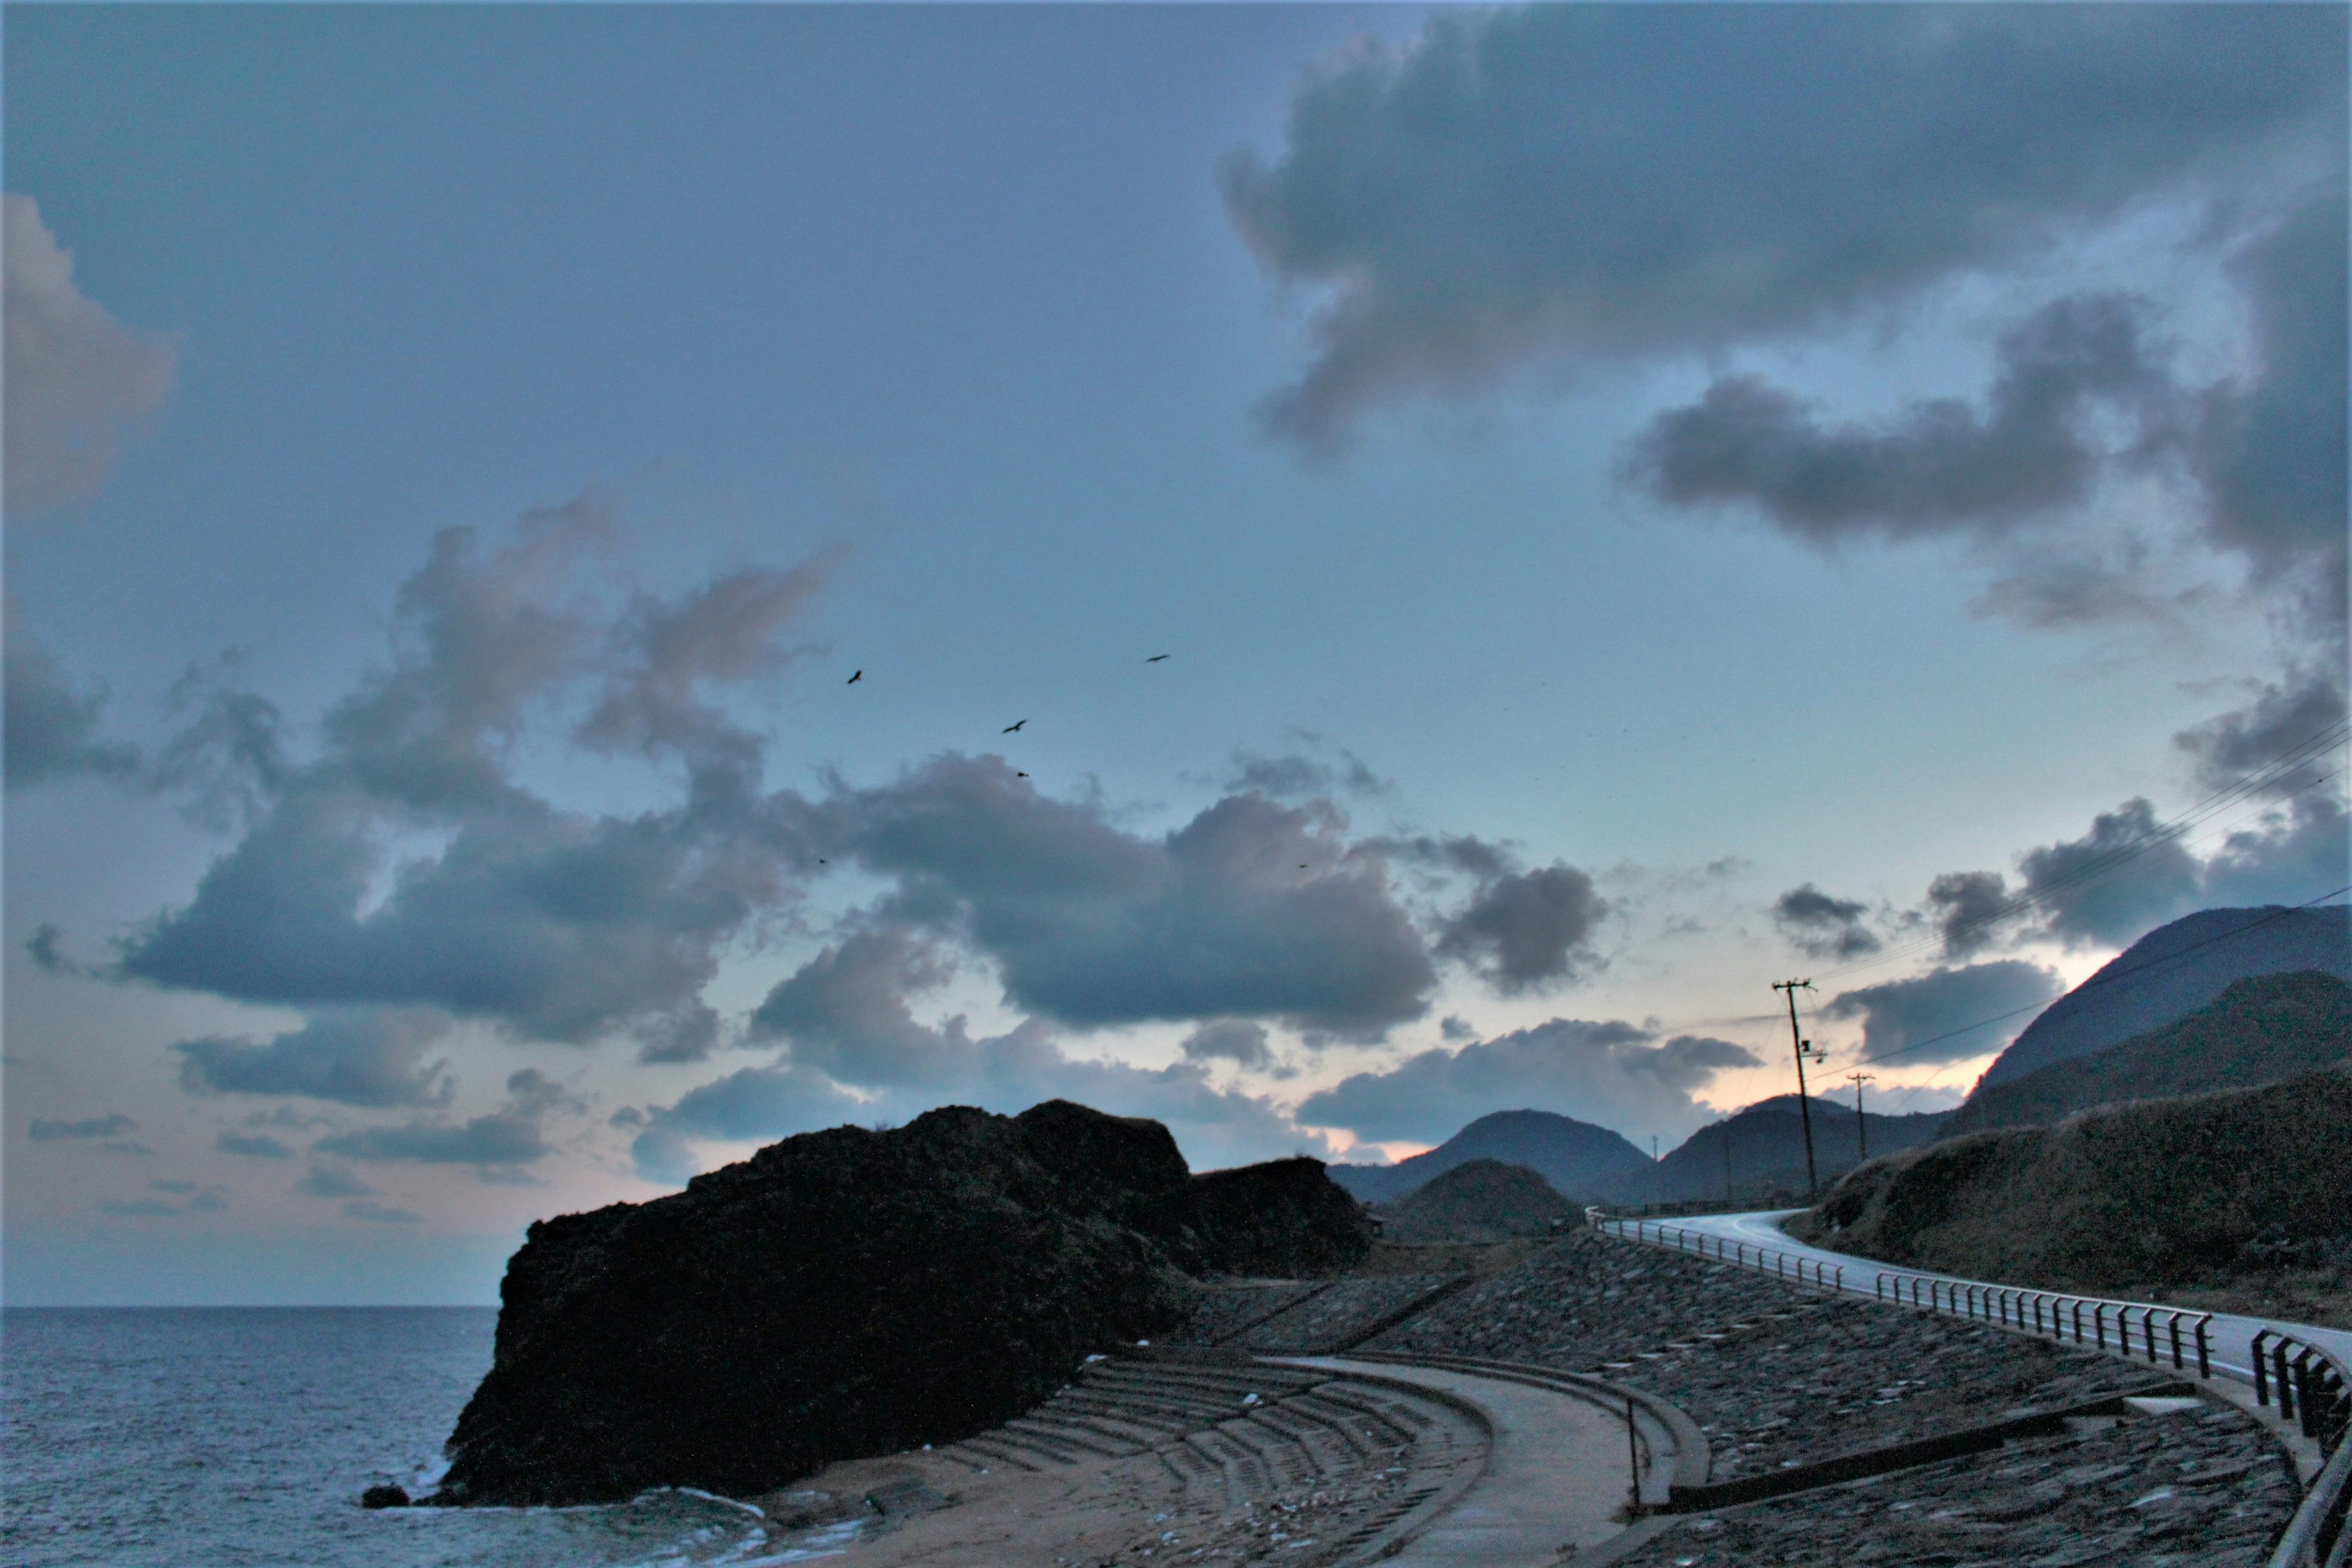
(850, 1292)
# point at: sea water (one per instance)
(242, 1437)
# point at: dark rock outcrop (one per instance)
(850, 1293)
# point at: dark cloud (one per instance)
(2127, 876)
(332, 1182)
(1292, 775)
(253, 1146)
(1823, 926)
(2297, 853)
(114, 1124)
(1588, 181)
(1252, 908)
(51, 722)
(1970, 908)
(370, 1057)
(2283, 743)
(1934, 1016)
(2270, 448)
(42, 948)
(1527, 929)
(1939, 466)
(511, 1135)
(1614, 1073)
(555, 924)
(1234, 1040)
(845, 1013)
(80, 381)
(501, 1138)
(1456, 1029)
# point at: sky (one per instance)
(591, 587)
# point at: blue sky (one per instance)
(1626, 525)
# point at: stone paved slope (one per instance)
(2205, 1488)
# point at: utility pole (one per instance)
(1861, 1128)
(1804, 1104)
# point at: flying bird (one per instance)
(856, 679)
(1020, 776)
(1155, 659)
(1010, 728)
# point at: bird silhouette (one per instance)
(1020, 776)
(856, 679)
(1010, 728)
(1155, 659)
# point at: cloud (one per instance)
(2126, 876)
(253, 1146)
(332, 1182)
(1612, 1073)
(1820, 926)
(845, 1013)
(556, 925)
(370, 1057)
(2297, 853)
(1456, 1029)
(1932, 1017)
(52, 723)
(381, 1215)
(113, 1124)
(1970, 909)
(187, 1198)
(1252, 908)
(1234, 1040)
(1526, 930)
(2280, 744)
(509, 1135)
(80, 381)
(1939, 466)
(1591, 183)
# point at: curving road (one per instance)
(2232, 1337)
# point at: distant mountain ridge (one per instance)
(2173, 971)
(2259, 1031)
(1765, 1145)
(1481, 1200)
(1580, 1160)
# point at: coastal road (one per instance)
(2232, 1336)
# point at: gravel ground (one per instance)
(1775, 1377)
(1329, 1319)
(2209, 1489)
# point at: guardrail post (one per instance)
(2278, 1377)
(2174, 1327)
(2147, 1331)
(2262, 1369)
(2099, 1323)
(2204, 1363)
(1839, 1283)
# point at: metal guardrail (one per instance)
(2303, 1382)
(1790, 1266)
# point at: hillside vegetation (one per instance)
(2233, 1199)
(1485, 1200)
(2260, 1031)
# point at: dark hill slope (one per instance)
(2259, 1031)
(2121, 1200)
(1764, 1143)
(1484, 1200)
(1580, 1160)
(849, 1293)
(2173, 971)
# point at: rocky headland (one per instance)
(851, 1292)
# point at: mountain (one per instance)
(1484, 1200)
(2173, 971)
(1580, 1160)
(2259, 1031)
(1766, 1144)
